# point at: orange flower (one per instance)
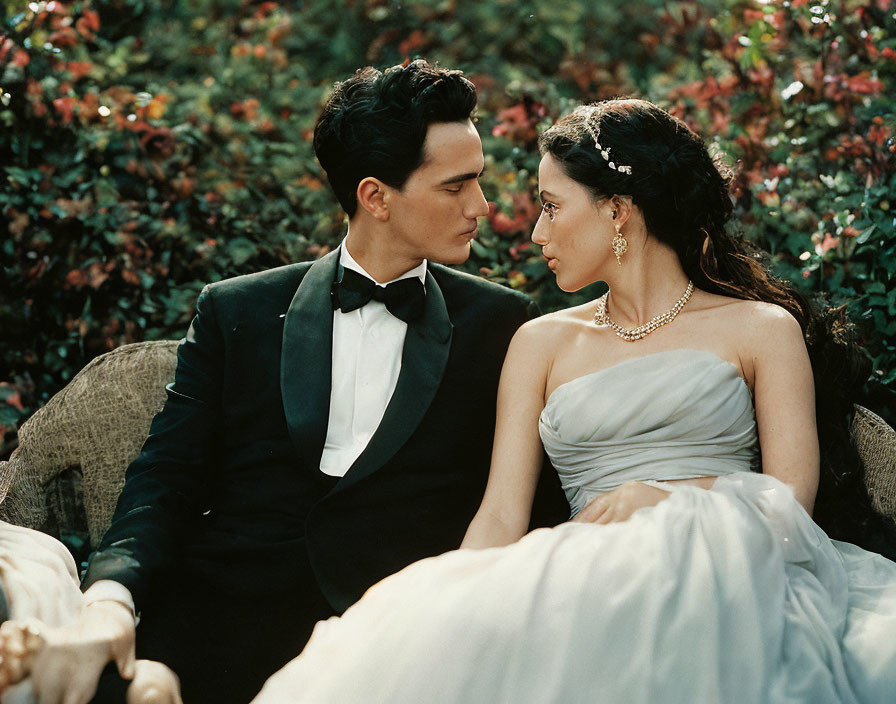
(827, 244)
(156, 107)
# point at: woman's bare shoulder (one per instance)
(758, 316)
(563, 322)
(758, 329)
(761, 321)
(544, 335)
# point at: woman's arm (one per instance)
(784, 397)
(503, 516)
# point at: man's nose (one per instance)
(477, 206)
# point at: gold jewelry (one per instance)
(620, 245)
(602, 318)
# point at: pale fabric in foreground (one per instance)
(40, 581)
(731, 595)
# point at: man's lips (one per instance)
(471, 233)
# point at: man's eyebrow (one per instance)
(463, 177)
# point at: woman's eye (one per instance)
(550, 210)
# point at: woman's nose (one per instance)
(539, 233)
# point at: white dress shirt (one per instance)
(367, 347)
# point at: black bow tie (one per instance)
(404, 298)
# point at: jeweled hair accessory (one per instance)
(592, 124)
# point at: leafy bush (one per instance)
(149, 148)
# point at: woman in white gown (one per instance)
(679, 413)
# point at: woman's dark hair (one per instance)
(684, 195)
(375, 123)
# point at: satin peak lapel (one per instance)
(423, 360)
(306, 359)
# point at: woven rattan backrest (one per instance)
(98, 422)
(876, 443)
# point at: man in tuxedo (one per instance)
(329, 422)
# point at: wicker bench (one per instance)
(66, 474)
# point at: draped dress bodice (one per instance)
(675, 414)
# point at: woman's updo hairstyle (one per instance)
(683, 193)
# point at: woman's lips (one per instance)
(552, 263)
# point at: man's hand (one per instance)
(68, 667)
(618, 505)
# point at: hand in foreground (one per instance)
(618, 505)
(20, 641)
(154, 683)
(68, 666)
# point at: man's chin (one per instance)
(453, 256)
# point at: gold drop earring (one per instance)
(620, 244)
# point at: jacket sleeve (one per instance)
(532, 310)
(166, 487)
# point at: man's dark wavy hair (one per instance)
(375, 123)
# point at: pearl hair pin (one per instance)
(592, 124)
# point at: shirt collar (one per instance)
(348, 261)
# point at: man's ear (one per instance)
(373, 196)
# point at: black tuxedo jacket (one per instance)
(227, 491)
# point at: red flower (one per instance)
(78, 69)
(92, 19)
(65, 37)
(65, 108)
(5, 48)
(519, 122)
(863, 83)
(158, 142)
(415, 40)
(9, 394)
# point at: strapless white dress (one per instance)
(729, 595)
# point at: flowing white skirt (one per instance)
(727, 595)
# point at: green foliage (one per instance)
(149, 148)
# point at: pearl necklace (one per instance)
(602, 318)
